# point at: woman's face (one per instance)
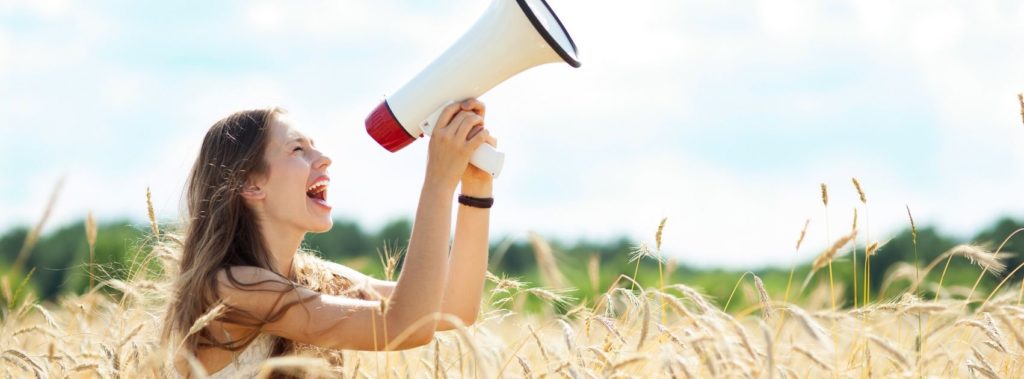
(294, 188)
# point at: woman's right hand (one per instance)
(449, 149)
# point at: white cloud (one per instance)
(593, 151)
(789, 20)
(937, 28)
(46, 9)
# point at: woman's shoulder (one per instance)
(251, 288)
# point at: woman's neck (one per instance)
(282, 243)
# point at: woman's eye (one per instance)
(297, 148)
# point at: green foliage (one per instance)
(61, 259)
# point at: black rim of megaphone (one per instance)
(547, 36)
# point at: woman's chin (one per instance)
(322, 226)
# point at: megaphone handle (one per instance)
(489, 159)
(486, 157)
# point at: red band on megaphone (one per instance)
(386, 130)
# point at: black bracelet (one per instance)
(476, 202)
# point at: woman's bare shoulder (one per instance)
(253, 288)
(323, 320)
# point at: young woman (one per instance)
(256, 189)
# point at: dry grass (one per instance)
(93, 335)
(671, 330)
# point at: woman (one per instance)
(257, 187)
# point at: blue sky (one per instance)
(722, 116)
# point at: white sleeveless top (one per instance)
(244, 365)
(247, 363)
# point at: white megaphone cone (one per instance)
(511, 36)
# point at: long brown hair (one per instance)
(219, 229)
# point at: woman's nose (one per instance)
(323, 162)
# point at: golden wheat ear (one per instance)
(1020, 97)
(153, 226)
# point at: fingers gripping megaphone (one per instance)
(510, 37)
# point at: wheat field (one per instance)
(630, 331)
(670, 330)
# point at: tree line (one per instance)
(60, 258)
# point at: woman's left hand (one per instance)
(474, 176)
(474, 180)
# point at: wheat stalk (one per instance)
(892, 350)
(657, 236)
(594, 272)
(826, 257)
(1020, 97)
(803, 233)
(568, 333)
(645, 324)
(860, 191)
(829, 254)
(33, 235)
(766, 304)
(984, 328)
(984, 371)
(975, 254)
(813, 328)
(992, 330)
(609, 324)
(526, 366)
(205, 319)
(540, 345)
(90, 236)
(550, 273)
(923, 308)
(153, 226)
(792, 269)
(853, 261)
(628, 361)
(813, 358)
(553, 296)
(988, 370)
(1013, 330)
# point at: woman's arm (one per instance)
(467, 263)
(328, 321)
(406, 321)
(410, 314)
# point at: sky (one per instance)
(723, 116)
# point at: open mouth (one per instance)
(318, 191)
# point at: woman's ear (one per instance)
(252, 190)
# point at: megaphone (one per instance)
(510, 37)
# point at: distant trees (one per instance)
(61, 257)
